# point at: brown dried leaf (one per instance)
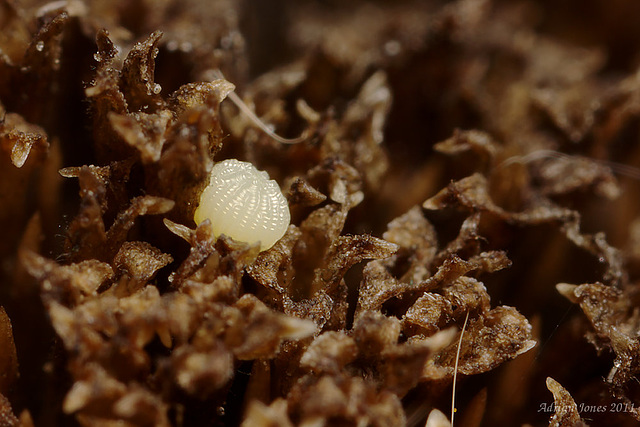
(572, 108)
(137, 78)
(38, 74)
(478, 142)
(377, 287)
(339, 180)
(140, 260)
(19, 138)
(472, 193)
(98, 399)
(433, 311)
(302, 193)
(23, 164)
(193, 95)
(490, 340)
(329, 353)
(144, 132)
(142, 205)
(418, 244)
(262, 330)
(374, 333)
(107, 99)
(611, 313)
(202, 373)
(67, 284)
(345, 252)
(318, 308)
(86, 236)
(183, 169)
(272, 267)
(349, 400)
(565, 175)
(202, 247)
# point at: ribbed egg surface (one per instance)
(244, 204)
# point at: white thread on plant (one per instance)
(455, 370)
(256, 120)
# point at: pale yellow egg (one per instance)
(243, 203)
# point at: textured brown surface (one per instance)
(469, 158)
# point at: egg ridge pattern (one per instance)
(244, 204)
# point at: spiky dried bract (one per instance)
(566, 411)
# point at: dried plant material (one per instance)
(7, 418)
(261, 415)
(140, 260)
(137, 78)
(347, 251)
(24, 149)
(472, 193)
(453, 161)
(464, 141)
(8, 356)
(432, 311)
(274, 266)
(202, 373)
(437, 419)
(102, 399)
(148, 140)
(577, 174)
(329, 353)
(566, 410)
(570, 108)
(349, 400)
(263, 330)
(301, 192)
(37, 72)
(72, 283)
(144, 205)
(19, 137)
(614, 321)
(501, 335)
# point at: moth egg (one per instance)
(243, 203)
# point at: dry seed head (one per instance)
(243, 203)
